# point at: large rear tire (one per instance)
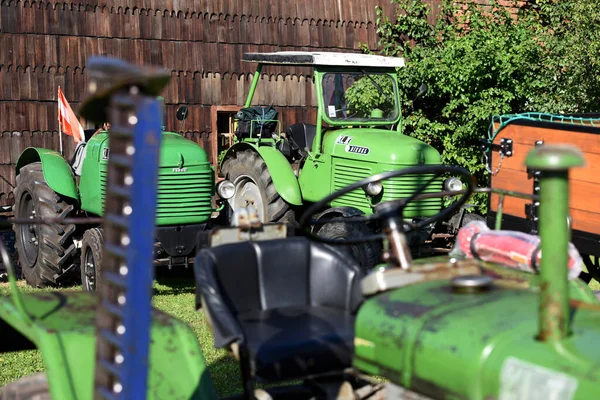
(32, 387)
(46, 251)
(254, 186)
(91, 258)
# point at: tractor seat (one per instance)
(289, 304)
(301, 136)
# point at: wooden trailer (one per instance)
(511, 137)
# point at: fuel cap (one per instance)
(471, 283)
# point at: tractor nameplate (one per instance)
(357, 149)
(344, 139)
(179, 169)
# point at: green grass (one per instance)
(174, 296)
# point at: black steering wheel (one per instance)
(393, 208)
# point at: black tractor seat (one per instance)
(289, 304)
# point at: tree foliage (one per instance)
(480, 61)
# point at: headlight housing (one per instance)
(453, 185)
(374, 188)
(225, 189)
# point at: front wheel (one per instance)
(366, 254)
(254, 186)
(91, 258)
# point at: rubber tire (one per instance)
(32, 387)
(367, 254)
(56, 249)
(92, 242)
(249, 163)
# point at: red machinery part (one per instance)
(509, 248)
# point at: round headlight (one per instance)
(225, 189)
(453, 184)
(374, 188)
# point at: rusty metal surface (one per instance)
(393, 278)
(233, 235)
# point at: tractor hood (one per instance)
(178, 152)
(380, 146)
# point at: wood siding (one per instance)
(45, 44)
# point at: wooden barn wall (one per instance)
(45, 44)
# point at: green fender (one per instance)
(57, 172)
(280, 169)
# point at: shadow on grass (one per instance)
(174, 282)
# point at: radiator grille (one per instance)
(394, 188)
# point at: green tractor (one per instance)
(357, 133)
(51, 188)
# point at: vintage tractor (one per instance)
(357, 133)
(447, 327)
(52, 188)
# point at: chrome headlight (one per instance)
(225, 189)
(374, 188)
(453, 184)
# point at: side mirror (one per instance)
(182, 113)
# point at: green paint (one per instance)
(63, 329)
(374, 146)
(445, 344)
(57, 172)
(282, 174)
(184, 196)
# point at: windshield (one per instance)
(360, 96)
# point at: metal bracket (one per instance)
(505, 147)
(531, 209)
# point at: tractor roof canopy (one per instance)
(324, 58)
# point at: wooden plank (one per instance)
(529, 134)
(582, 220)
(584, 196)
(589, 173)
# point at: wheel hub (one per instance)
(247, 193)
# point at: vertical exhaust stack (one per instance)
(554, 162)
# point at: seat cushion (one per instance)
(293, 342)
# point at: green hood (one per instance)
(175, 150)
(380, 146)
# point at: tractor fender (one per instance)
(57, 172)
(280, 169)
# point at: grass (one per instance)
(173, 295)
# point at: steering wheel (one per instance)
(393, 208)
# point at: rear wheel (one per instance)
(91, 258)
(32, 387)
(254, 186)
(46, 251)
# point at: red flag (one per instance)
(67, 120)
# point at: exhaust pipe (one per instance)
(554, 162)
